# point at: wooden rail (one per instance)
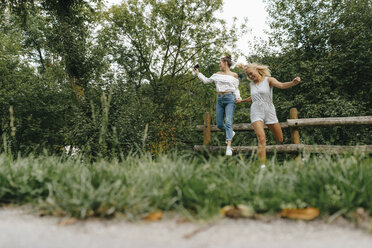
(293, 123)
(319, 122)
(331, 121)
(237, 127)
(290, 148)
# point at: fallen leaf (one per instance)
(237, 211)
(246, 211)
(300, 213)
(360, 214)
(231, 212)
(68, 221)
(361, 217)
(155, 216)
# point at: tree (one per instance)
(328, 44)
(130, 72)
(33, 107)
(156, 43)
(63, 29)
(330, 40)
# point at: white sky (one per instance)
(254, 10)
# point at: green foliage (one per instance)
(109, 81)
(186, 184)
(327, 44)
(38, 101)
(62, 31)
(140, 59)
(155, 44)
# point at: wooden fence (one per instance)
(294, 124)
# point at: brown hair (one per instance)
(227, 59)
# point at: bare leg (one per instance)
(277, 131)
(258, 127)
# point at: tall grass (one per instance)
(187, 184)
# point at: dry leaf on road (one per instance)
(69, 221)
(237, 211)
(155, 216)
(300, 213)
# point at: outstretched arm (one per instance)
(237, 91)
(275, 83)
(203, 78)
(249, 99)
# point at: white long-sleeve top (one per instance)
(224, 83)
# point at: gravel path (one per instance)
(19, 229)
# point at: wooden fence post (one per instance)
(207, 129)
(295, 134)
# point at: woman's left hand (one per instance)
(238, 100)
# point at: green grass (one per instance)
(188, 184)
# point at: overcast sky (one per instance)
(254, 10)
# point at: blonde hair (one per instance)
(263, 70)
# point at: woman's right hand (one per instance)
(296, 80)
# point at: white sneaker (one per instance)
(228, 151)
(232, 136)
(263, 166)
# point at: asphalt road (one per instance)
(21, 229)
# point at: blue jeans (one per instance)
(225, 105)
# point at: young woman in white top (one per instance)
(262, 108)
(227, 83)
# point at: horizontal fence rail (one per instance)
(326, 122)
(330, 121)
(238, 127)
(291, 148)
(293, 123)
